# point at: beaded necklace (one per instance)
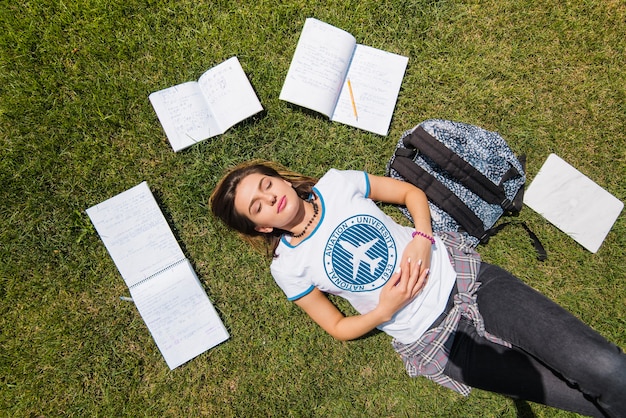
(315, 211)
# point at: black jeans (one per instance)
(556, 359)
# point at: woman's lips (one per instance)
(281, 204)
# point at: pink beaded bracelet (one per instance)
(422, 234)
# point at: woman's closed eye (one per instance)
(266, 184)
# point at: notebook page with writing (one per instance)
(375, 77)
(184, 114)
(229, 94)
(181, 319)
(318, 67)
(194, 111)
(135, 233)
(573, 202)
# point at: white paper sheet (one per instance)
(573, 202)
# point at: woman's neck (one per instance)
(312, 214)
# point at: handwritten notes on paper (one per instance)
(318, 67)
(162, 282)
(184, 114)
(375, 76)
(136, 234)
(325, 58)
(181, 319)
(197, 110)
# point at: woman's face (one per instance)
(269, 202)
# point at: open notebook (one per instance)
(573, 202)
(161, 280)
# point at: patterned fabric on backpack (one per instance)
(486, 151)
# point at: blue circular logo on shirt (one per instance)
(360, 254)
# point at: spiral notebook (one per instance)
(161, 280)
(573, 202)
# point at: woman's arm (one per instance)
(397, 292)
(388, 190)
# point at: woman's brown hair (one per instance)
(222, 200)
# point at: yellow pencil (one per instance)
(356, 115)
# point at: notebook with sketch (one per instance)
(573, 202)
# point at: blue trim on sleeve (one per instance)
(367, 185)
(306, 292)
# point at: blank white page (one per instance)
(573, 202)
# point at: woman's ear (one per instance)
(263, 229)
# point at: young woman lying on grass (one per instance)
(454, 319)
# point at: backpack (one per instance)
(470, 176)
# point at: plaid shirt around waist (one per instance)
(429, 355)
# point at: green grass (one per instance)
(76, 127)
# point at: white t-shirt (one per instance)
(354, 250)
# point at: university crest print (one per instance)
(360, 254)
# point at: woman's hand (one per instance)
(398, 192)
(418, 249)
(402, 288)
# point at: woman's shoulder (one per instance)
(334, 175)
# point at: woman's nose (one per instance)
(271, 199)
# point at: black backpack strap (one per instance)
(439, 194)
(542, 255)
(450, 203)
(518, 200)
(459, 169)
